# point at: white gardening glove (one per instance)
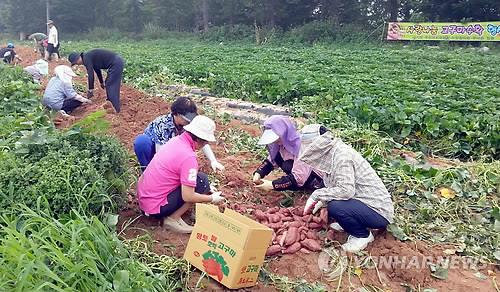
(217, 197)
(217, 166)
(310, 206)
(213, 189)
(256, 178)
(82, 99)
(265, 185)
(318, 206)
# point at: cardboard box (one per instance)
(228, 246)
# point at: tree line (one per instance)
(76, 16)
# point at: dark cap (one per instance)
(73, 58)
(189, 116)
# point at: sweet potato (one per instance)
(303, 229)
(283, 238)
(297, 218)
(292, 248)
(260, 215)
(323, 214)
(273, 210)
(311, 244)
(287, 218)
(286, 212)
(274, 218)
(275, 226)
(307, 218)
(305, 250)
(316, 219)
(302, 236)
(330, 234)
(273, 249)
(298, 211)
(295, 224)
(313, 225)
(292, 235)
(312, 235)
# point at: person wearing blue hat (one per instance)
(9, 55)
(164, 128)
(97, 60)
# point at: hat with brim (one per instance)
(202, 127)
(268, 137)
(73, 58)
(188, 117)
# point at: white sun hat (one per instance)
(42, 66)
(268, 137)
(65, 73)
(202, 127)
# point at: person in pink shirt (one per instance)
(284, 145)
(171, 183)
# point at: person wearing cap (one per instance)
(164, 128)
(37, 70)
(9, 55)
(97, 60)
(171, 183)
(53, 41)
(283, 144)
(38, 40)
(354, 194)
(60, 95)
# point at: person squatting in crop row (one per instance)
(37, 70)
(97, 60)
(283, 144)
(171, 183)
(9, 55)
(164, 128)
(53, 44)
(60, 94)
(40, 42)
(354, 194)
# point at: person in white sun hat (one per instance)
(283, 144)
(171, 183)
(60, 94)
(354, 194)
(37, 70)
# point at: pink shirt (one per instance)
(174, 165)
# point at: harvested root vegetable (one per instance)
(274, 226)
(295, 224)
(311, 244)
(330, 234)
(305, 250)
(292, 236)
(260, 215)
(297, 218)
(273, 249)
(274, 218)
(316, 219)
(323, 214)
(303, 229)
(298, 212)
(273, 210)
(302, 236)
(283, 238)
(312, 235)
(287, 218)
(307, 218)
(292, 248)
(314, 225)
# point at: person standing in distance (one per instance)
(100, 59)
(53, 41)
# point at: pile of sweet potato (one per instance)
(293, 231)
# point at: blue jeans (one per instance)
(355, 217)
(144, 149)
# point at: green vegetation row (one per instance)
(439, 101)
(59, 191)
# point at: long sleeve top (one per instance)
(96, 60)
(53, 36)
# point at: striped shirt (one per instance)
(347, 175)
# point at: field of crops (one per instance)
(439, 101)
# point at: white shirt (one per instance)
(53, 36)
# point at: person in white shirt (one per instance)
(53, 42)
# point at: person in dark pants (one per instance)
(52, 41)
(284, 144)
(354, 194)
(9, 55)
(60, 95)
(97, 60)
(171, 183)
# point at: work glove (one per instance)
(217, 166)
(217, 197)
(103, 85)
(82, 99)
(256, 178)
(312, 205)
(90, 93)
(265, 185)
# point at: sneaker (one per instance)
(355, 244)
(176, 225)
(335, 226)
(185, 224)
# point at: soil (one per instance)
(138, 109)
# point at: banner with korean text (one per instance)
(444, 31)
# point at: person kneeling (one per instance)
(171, 183)
(60, 94)
(354, 194)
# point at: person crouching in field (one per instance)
(283, 144)
(38, 42)
(37, 70)
(354, 194)
(60, 95)
(9, 55)
(164, 128)
(171, 183)
(97, 60)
